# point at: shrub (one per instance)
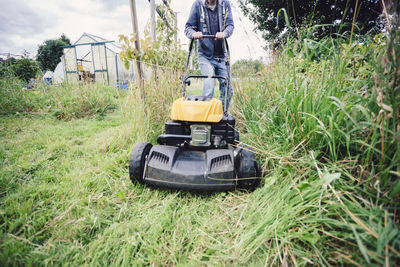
(25, 69)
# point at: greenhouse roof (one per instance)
(94, 39)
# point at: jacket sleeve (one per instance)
(191, 25)
(229, 25)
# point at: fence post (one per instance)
(137, 45)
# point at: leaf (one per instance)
(360, 244)
(126, 64)
(395, 189)
(389, 233)
(285, 16)
(304, 186)
(311, 238)
(121, 195)
(328, 178)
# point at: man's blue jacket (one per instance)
(198, 22)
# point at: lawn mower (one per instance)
(199, 149)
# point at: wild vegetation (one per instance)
(323, 119)
(24, 69)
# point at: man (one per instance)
(211, 17)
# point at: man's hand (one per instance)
(220, 36)
(197, 35)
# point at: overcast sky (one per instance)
(24, 25)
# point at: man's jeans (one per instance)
(211, 67)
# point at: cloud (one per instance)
(26, 24)
(19, 26)
(112, 5)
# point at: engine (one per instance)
(200, 134)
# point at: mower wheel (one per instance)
(137, 161)
(247, 167)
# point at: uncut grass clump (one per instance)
(66, 101)
(13, 98)
(150, 112)
(80, 100)
(326, 112)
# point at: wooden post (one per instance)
(153, 19)
(137, 45)
(176, 27)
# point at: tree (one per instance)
(333, 16)
(49, 53)
(25, 68)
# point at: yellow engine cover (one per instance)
(199, 111)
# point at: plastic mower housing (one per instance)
(199, 148)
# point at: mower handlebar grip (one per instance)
(207, 36)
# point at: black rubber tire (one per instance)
(137, 161)
(247, 167)
(236, 136)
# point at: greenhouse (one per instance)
(94, 59)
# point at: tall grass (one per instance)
(64, 101)
(12, 98)
(323, 112)
(78, 101)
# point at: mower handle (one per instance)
(225, 79)
(204, 76)
(186, 80)
(206, 36)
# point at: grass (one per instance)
(72, 199)
(71, 202)
(328, 196)
(316, 117)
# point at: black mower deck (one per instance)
(174, 167)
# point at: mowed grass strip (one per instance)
(73, 197)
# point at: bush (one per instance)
(25, 69)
